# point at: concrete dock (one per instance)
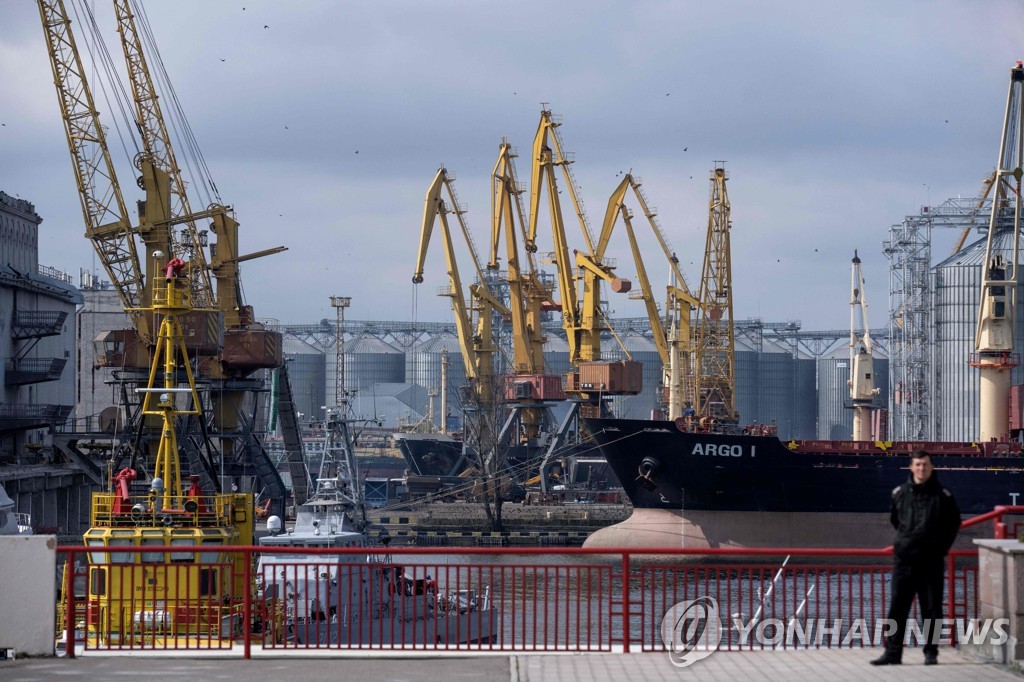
(834, 665)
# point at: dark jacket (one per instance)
(926, 518)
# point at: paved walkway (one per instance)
(832, 665)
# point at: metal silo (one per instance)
(835, 420)
(642, 350)
(370, 360)
(745, 372)
(835, 413)
(805, 398)
(957, 290)
(776, 374)
(556, 354)
(307, 375)
(423, 364)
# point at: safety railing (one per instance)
(481, 599)
(484, 599)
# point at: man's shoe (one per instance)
(931, 659)
(887, 659)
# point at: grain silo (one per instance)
(423, 364)
(957, 292)
(556, 355)
(835, 409)
(370, 360)
(776, 387)
(640, 349)
(307, 376)
(805, 398)
(745, 374)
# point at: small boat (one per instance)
(12, 522)
(360, 598)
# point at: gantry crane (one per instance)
(583, 321)
(475, 342)
(714, 347)
(224, 343)
(671, 332)
(994, 341)
(862, 374)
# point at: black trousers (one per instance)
(923, 578)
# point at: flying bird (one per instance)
(357, 151)
(286, 127)
(265, 26)
(223, 60)
(685, 148)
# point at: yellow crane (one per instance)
(107, 224)
(159, 154)
(476, 343)
(671, 332)
(528, 298)
(226, 343)
(582, 321)
(714, 348)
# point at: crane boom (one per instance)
(157, 147)
(106, 216)
(476, 345)
(526, 293)
(994, 341)
(862, 376)
(581, 321)
(671, 334)
(715, 342)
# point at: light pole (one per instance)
(339, 303)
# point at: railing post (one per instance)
(69, 605)
(951, 588)
(626, 609)
(247, 605)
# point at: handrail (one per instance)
(625, 557)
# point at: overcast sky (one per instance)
(323, 124)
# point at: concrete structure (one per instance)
(38, 362)
(101, 311)
(1001, 595)
(28, 564)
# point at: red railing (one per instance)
(484, 599)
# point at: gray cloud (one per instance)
(831, 117)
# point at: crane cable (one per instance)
(97, 50)
(201, 177)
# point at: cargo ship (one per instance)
(693, 489)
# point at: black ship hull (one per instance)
(749, 491)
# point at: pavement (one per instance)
(833, 665)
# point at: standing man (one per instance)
(926, 519)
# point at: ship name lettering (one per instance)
(718, 450)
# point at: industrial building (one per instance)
(38, 370)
